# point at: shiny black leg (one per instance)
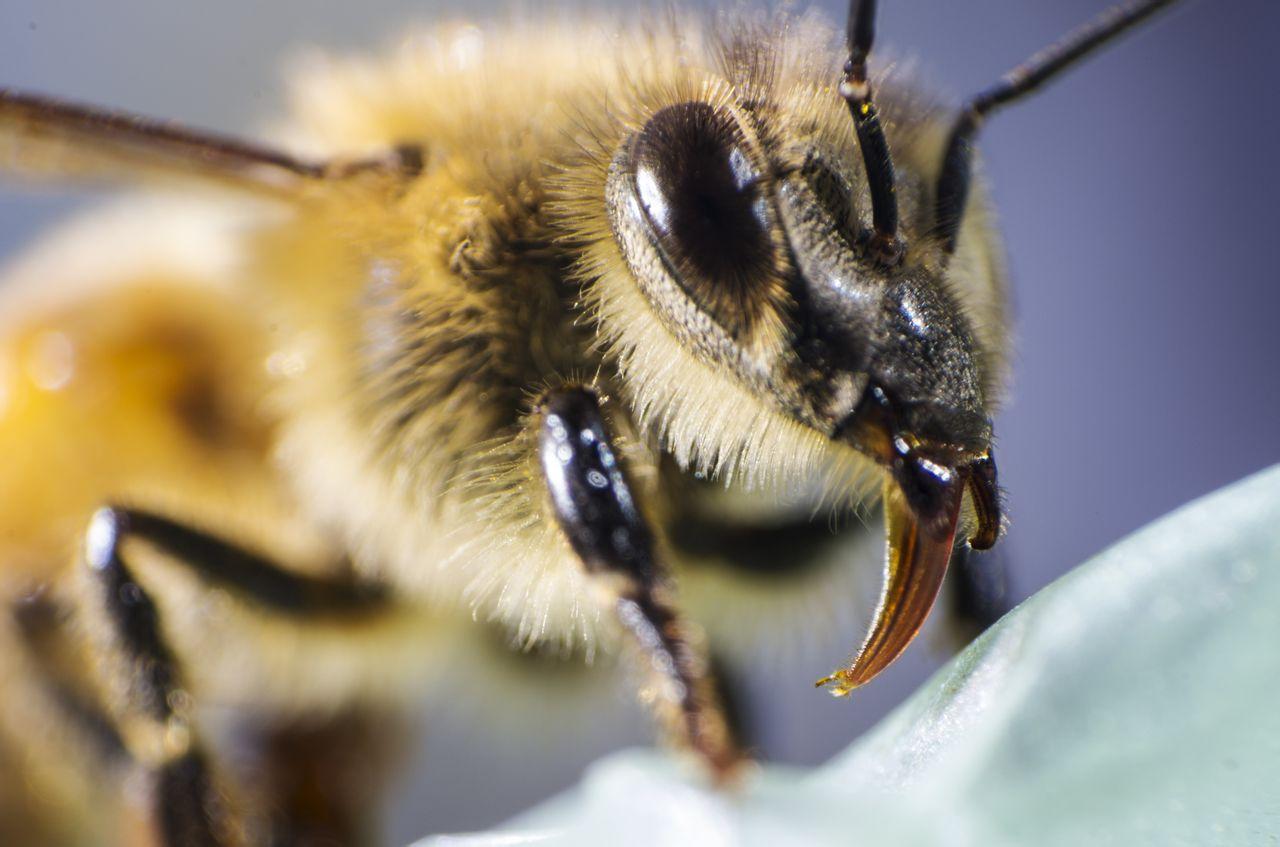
(595, 507)
(151, 708)
(142, 676)
(979, 590)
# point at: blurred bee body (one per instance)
(140, 378)
(145, 358)
(540, 312)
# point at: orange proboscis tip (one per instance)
(838, 684)
(915, 564)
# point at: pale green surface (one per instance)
(1136, 701)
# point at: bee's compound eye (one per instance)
(700, 192)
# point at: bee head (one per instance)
(764, 268)
(767, 243)
(798, 270)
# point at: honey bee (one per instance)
(516, 337)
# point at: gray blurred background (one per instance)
(1139, 202)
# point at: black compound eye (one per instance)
(700, 192)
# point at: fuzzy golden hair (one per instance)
(463, 269)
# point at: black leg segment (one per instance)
(979, 590)
(231, 566)
(594, 506)
(149, 703)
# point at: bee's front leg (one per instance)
(594, 505)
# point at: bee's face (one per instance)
(752, 254)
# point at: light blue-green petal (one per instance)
(1136, 701)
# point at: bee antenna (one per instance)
(953, 184)
(856, 91)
